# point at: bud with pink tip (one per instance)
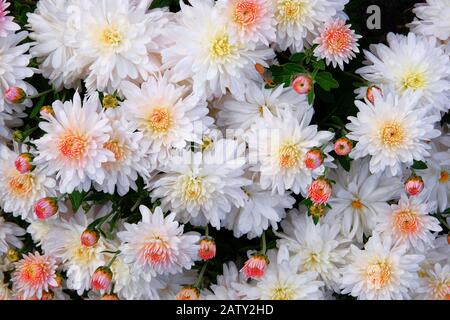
(109, 296)
(319, 191)
(207, 249)
(313, 159)
(414, 185)
(302, 84)
(15, 95)
(23, 162)
(343, 146)
(188, 293)
(89, 237)
(102, 278)
(370, 94)
(46, 208)
(256, 266)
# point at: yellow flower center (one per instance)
(443, 177)
(406, 221)
(115, 148)
(392, 134)
(282, 293)
(289, 10)
(221, 47)
(21, 185)
(356, 204)
(111, 37)
(192, 188)
(289, 156)
(379, 274)
(83, 255)
(72, 146)
(160, 120)
(413, 80)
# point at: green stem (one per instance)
(207, 231)
(200, 276)
(136, 204)
(113, 259)
(263, 243)
(40, 94)
(354, 76)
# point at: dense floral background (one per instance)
(309, 221)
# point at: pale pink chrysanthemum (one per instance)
(6, 22)
(251, 20)
(256, 266)
(337, 43)
(34, 275)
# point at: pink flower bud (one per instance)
(319, 191)
(188, 293)
(343, 146)
(302, 84)
(256, 266)
(313, 159)
(46, 208)
(15, 95)
(370, 95)
(89, 237)
(207, 249)
(23, 162)
(414, 185)
(102, 278)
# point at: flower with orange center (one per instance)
(289, 156)
(21, 185)
(159, 120)
(378, 274)
(356, 204)
(156, 252)
(444, 177)
(406, 221)
(246, 12)
(188, 293)
(34, 275)
(392, 135)
(72, 146)
(115, 148)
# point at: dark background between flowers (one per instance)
(332, 109)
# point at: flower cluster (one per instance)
(170, 143)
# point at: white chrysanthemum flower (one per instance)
(167, 114)
(7, 25)
(14, 69)
(357, 198)
(261, 210)
(223, 289)
(435, 284)
(433, 19)
(383, 270)
(170, 285)
(298, 21)
(250, 20)
(20, 191)
(437, 175)
(207, 52)
(73, 143)
(202, 188)
(409, 222)
(319, 247)
(279, 144)
(337, 43)
(53, 28)
(9, 233)
(242, 114)
(282, 281)
(157, 244)
(117, 42)
(411, 63)
(63, 242)
(393, 131)
(130, 156)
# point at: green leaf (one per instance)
(76, 198)
(326, 81)
(345, 162)
(419, 165)
(292, 68)
(38, 107)
(297, 57)
(319, 64)
(338, 121)
(307, 202)
(311, 96)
